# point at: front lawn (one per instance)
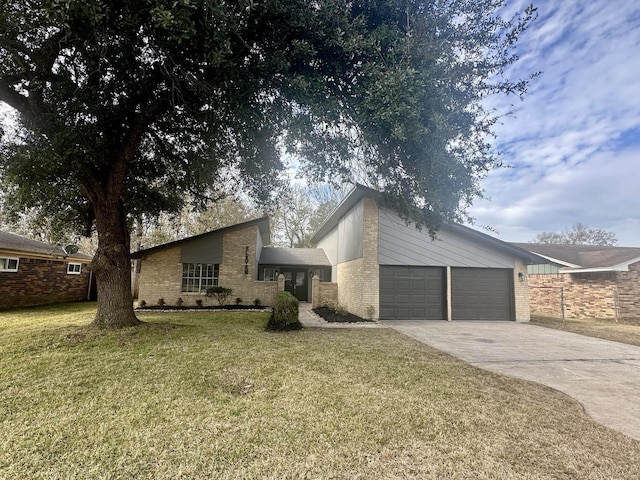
(625, 331)
(202, 395)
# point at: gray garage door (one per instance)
(416, 293)
(482, 294)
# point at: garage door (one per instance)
(416, 293)
(482, 294)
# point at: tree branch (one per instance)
(118, 172)
(12, 98)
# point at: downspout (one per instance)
(89, 287)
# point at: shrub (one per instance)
(199, 302)
(257, 302)
(285, 313)
(142, 304)
(179, 302)
(238, 301)
(161, 302)
(219, 293)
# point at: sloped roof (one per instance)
(585, 256)
(262, 223)
(294, 256)
(17, 243)
(360, 191)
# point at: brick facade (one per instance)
(323, 292)
(161, 274)
(41, 281)
(359, 279)
(521, 291)
(587, 295)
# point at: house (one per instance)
(37, 273)
(368, 260)
(385, 268)
(232, 257)
(583, 281)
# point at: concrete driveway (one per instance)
(603, 376)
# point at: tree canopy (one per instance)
(127, 107)
(579, 234)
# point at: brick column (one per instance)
(281, 283)
(449, 309)
(315, 291)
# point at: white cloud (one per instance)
(574, 143)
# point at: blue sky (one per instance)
(574, 142)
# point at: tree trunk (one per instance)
(112, 267)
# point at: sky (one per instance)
(573, 144)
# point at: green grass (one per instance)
(213, 395)
(625, 331)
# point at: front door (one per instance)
(295, 282)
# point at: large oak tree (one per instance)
(127, 106)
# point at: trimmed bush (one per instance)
(219, 293)
(285, 313)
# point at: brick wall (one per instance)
(521, 291)
(42, 281)
(161, 277)
(328, 293)
(232, 269)
(161, 274)
(358, 280)
(587, 295)
(629, 292)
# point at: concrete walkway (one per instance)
(603, 376)
(310, 319)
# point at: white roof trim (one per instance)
(621, 267)
(555, 260)
(588, 270)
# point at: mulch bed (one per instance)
(195, 307)
(332, 316)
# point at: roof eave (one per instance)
(555, 260)
(620, 267)
(262, 223)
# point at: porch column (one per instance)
(449, 314)
(315, 291)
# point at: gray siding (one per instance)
(259, 245)
(207, 249)
(350, 234)
(400, 244)
(329, 244)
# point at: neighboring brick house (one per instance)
(582, 281)
(37, 273)
(368, 261)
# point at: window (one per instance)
(197, 277)
(269, 274)
(319, 272)
(74, 268)
(9, 264)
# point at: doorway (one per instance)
(296, 283)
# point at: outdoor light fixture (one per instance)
(521, 276)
